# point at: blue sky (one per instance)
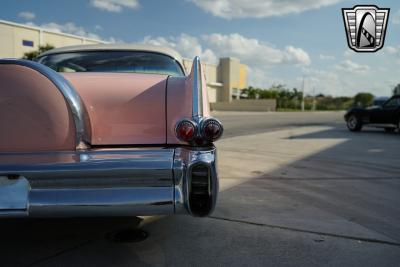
(280, 40)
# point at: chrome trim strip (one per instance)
(101, 201)
(107, 182)
(118, 47)
(197, 86)
(101, 182)
(176, 59)
(91, 168)
(67, 90)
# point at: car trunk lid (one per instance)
(123, 108)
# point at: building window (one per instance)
(27, 43)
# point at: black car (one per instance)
(379, 101)
(386, 116)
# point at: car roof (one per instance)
(117, 47)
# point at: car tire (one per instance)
(354, 123)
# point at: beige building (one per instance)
(17, 39)
(224, 81)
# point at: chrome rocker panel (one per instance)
(102, 182)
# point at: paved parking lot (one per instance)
(297, 189)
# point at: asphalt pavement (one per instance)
(297, 189)
(245, 123)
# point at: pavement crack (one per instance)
(55, 255)
(293, 229)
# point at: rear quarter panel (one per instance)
(34, 115)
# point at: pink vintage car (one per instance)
(106, 130)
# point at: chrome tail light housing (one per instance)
(201, 132)
(211, 130)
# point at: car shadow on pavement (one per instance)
(339, 131)
(28, 242)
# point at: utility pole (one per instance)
(314, 100)
(302, 95)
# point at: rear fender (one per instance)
(40, 109)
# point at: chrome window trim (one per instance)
(71, 97)
(175, 59)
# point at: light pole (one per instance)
(302, 95)
(314, 100)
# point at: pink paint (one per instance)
(124, 108)
(33, 113)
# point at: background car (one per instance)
(379, 101)
(386, 116)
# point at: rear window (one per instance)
(113, 61)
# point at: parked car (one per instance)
(120, 131)
(386, 116)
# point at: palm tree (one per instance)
(33, 54)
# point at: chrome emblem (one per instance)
(365, 27)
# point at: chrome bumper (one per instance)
(109, 182)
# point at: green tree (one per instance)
(33, 54)
(290, 99)
(363, 100)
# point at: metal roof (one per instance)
(122, 47)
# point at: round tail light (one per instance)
(185, 130)
(211, 130)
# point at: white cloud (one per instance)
(257, 77)
(353, 67)
(254, 52)
(74, 29)
(259, 8)
(188, 46)
(331, 81)
(348, 53)
(380, 68)
(98, 27)
(27, 15)
(396, 17)
(260, 57)
(115, 6)
(70, 28)
(322, 81)
(392, 50)
(326, 57)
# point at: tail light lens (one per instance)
(211, 130)
(186, 130)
